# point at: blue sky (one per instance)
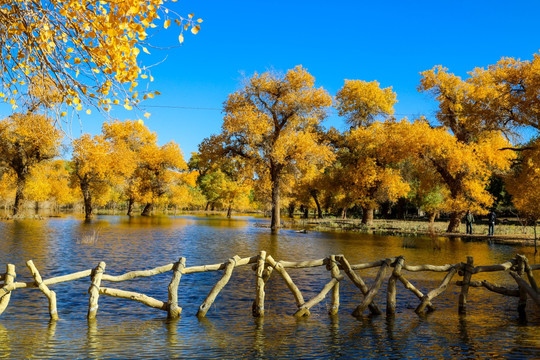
(387, 41)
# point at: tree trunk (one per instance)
(36, 207)
(275, 222)
(229, 211)
(207, 206)
(131, 202)
(344, 213)
(147, 211)
(306, 212)
(455, 222)
(19, 195)
(432, 216)
(367, 215)
(87, 198)
(291, 210)
(316, 198)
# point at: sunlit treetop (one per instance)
(362, 102)
(495, 98)
(88, 48)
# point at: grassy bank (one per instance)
(504, 232)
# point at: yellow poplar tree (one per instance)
(156, 172)
(523, 183)
(92, 165)
(272, 123)
(25, 141)
(127, 139)
(463, 169)
(367, 169)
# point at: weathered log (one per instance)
(173, 310)
(529, 273)
(205, 306)
(436, 292)
(290, 284)
(258, 303)
(374, 288)
(491, 268)
(467, 273)
(139, 273)
(51, 295)
(415, 291)
(334, 271)
(59, 279)
(130, 295)
(523, 284)
(358, 281)
(435, 268)
(391, 288)
(94, 290)
(216, 267)
(9, 278)
(304, 309)
(492, 287)
(371, 264)
(522, 303)
(303, 264)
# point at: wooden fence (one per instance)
(264, 265)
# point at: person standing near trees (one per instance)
(469, 219)
(491, 220)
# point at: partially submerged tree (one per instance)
(25, 141)
(92, 165)
(272, 123)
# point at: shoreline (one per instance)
(506, 234)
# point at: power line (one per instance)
(180, 107)
(219, 109)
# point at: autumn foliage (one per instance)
(273, 152)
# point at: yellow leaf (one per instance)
(88, 111)
(195, 29)
(146, 50)
(167, 23)
(128, 107)
(199, 20)
(190, 16)
(147, 115)
(157, 93)
(181, 38)
(63, 113)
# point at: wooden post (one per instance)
(467, 270)
(9, 279)
(391, 292)
(523, 284)
(334, 271)
(173, 310)
(94, 290)
(51, 295)
(436, 292)
(258, 304)
(205, 306)
(357, 280)
(304, 309)
(529, 273)
(416, 292)
(373, 290)
(522, 303)
(290, 284)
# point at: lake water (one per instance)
(127, 329)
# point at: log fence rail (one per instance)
(264, 265)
